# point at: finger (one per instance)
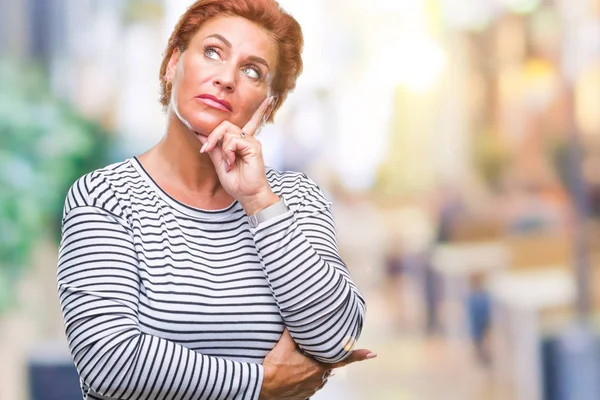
(252, 125)
(321, 386)
(355, 356)
(270, 109)
(232, 146)
(215, 156)
(218, 134)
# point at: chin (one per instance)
(205, 126)
(203, 122)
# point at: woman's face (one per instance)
(224, 74)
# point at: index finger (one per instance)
(252, 126)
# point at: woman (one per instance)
(192, 271)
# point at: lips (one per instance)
(215, 102)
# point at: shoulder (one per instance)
(98, 188)
(299, 191)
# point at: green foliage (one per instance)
(44, 147)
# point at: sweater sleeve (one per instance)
(320, 304)
(99, 287)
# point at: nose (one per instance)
(225, 79)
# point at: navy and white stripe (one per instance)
(165, 301)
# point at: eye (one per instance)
(252, 72)
(212, 53)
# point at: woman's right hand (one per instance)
(290, 375)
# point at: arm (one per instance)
(98, 285)
(321, 306)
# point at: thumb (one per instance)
(356, 355)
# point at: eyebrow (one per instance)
(227, 43)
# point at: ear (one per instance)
(172, 65)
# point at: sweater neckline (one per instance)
(187, 209)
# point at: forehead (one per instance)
(246, 37)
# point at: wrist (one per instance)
(260, 201)
(265, 389)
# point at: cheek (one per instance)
(193, 71)
(252, 105)
(178, 96)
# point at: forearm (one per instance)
(318, 301)
(128, 364)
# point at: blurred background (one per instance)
(459, 141)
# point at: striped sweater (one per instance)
(166, 301)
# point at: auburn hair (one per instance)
(283, 28)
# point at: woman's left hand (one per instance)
(238, 159)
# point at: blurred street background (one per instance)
(459, 141)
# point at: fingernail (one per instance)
(371, 355)
(204, 147)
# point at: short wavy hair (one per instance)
(284, 29)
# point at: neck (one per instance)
(177, 160)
